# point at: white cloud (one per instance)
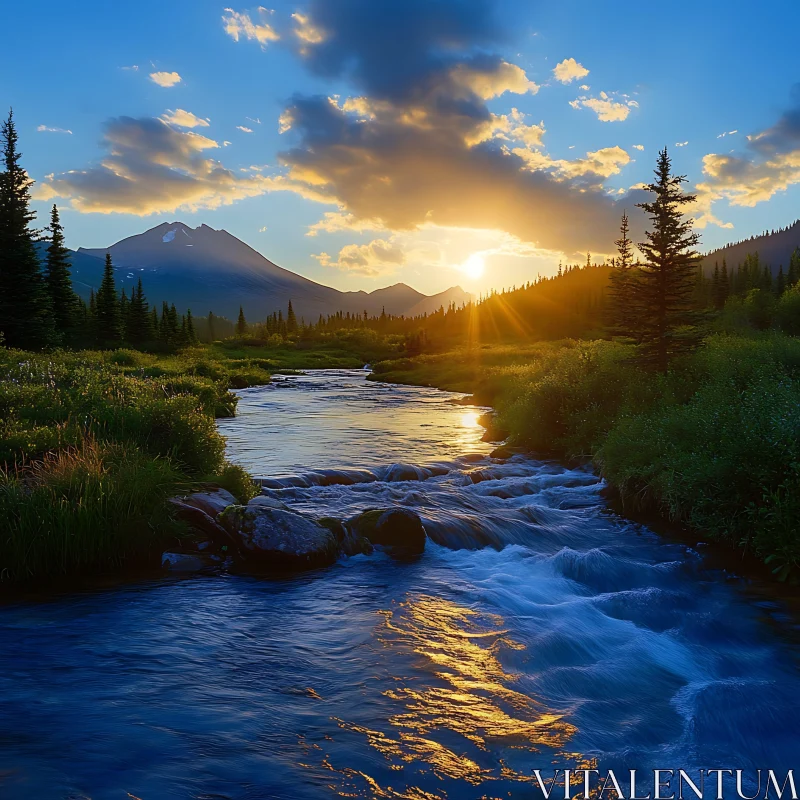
(607, 107)
(131, 68)
(681, 144)
(638, 147)
(493, 81)
(150, 167)
(46, 129)
(262, 229)
(336, 221)
(240, 23)
(601, 163)
(569, 70)
(726, 133)
(244, 129)
(184, 119)
(165, 79)
(378, 257)
(254, 120)
(306, 31)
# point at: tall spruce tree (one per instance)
(668, 272)
(26, 318)
(291, 319)
(191, 335)
(63, 299)
(139, 328)
(109, 318)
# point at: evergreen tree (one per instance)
(724, 283)
(794, 269)
(109, 322)
(291, 319)
(139, 329)
(780, 282)
(25, 312)
(63, 299)
(241, 323)
(668, 274)
(623, 306)
(191, 336)
(124, 310)
(163, 326)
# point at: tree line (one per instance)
(39, 307)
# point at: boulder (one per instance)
(213, 502)
(200, 521)
(267, 502)
(349, 542)
(399, 529)
(275, 538)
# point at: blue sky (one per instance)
(428, 174)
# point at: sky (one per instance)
(436, 142)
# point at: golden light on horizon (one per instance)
(474, 266)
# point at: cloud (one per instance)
(638, 147)
(263, 229)
(607, 107)
(681, 144)
(306, 31)
(726, 133)
(151, 168)
(165, 79)
(417, 144)
(131, 68)
(601, 163)
(244, 129)
(254, 120)
(184, 119)
(569, 70)
(47, 129)
(337, 221)
(240, 23)
(769, 164)
(378, 257)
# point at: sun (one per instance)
(474, 266)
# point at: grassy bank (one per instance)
(715, 443)
(93, 443)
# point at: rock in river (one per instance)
(279, 539)
(396, 528)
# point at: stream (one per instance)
(538, 630)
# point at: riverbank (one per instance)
(714, 445)
(94, 443)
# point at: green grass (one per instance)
(714, 444)
(93, 443)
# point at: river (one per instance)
(537, 629)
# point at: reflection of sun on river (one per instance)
(447, 726)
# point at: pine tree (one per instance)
(124, 311)
(668, 274)
(241, 323)
(163, 325)
(63, 299)
(794, 269)
(780, 282)
(26, 318)
(191, 336)
(139, 329)
(291, 320)
(724, 283)
(623, 305)
(109, 322)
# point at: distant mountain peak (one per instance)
(211, 270)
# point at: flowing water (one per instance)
(536, 630)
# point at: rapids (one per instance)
(537, 629)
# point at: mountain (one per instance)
(211, 270)
(774, 248)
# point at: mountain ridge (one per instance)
(774, 249)
(211, 270)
